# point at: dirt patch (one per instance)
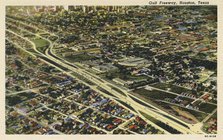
(185, 114)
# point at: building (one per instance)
(104, 68)
(133, 62)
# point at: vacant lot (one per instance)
(206, 107)
(182, 111)
(154, 94)
(172, 88)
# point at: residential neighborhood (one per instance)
(111, 70)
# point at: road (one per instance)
(74, 69)
(104, 84)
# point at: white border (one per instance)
(4, 3)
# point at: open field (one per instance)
(153, 94)
(41, 44)
(170, 87)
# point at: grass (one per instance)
(152, 119)
(206, 107)
(173, 88)
(41, 44)
(142, 103)
(199, 116)
(105, 91)
(154, 94)
(117, 90)
(161, 124)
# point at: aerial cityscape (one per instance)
(111, 70)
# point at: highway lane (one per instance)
(193, 127)
(74, 69)
(53, 65)
(128, 100)
(102, 83)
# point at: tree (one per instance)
(18, 64)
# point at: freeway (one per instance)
(74, 69)
(130, 101)
(104, 84)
